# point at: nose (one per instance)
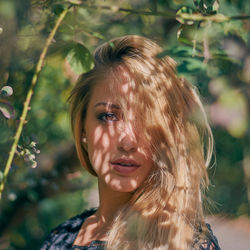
(127, 140)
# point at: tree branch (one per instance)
(28, 98)
(169, 14)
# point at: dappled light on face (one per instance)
(102, 132)
(111, 131)
(101, 152)
(124, 79)
(107, 178)
(113, 134)
(118, 185)
(130, 117)
(98, 134)
(105, 141)
(125, 87)
(147, 113)
(128, 127)
(105, 169)
(133, 183)
(146, 151)
(97, 158)
(115, 183)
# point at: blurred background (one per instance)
(46, 184)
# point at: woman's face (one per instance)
(117, 151)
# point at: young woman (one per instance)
(142, 131)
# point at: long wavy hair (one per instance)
(165, 212)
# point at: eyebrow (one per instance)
(105, 104)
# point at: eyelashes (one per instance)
(107, 117)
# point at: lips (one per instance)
(125, 166)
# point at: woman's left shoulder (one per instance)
(210, 241)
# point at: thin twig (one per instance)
(28, 98)
(207, 54)
(169, 14)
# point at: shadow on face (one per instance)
(119, 154)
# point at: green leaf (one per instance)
(185, 10)
(58, 9)
(111, 44)
(32, 195)
(5, 134)
(191, 66)
(7, 109)
(80, 59)
(98, 35)
(178, 51)
(209, 7)
(6, 91)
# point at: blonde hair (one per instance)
(165, 212)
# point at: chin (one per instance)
(126, 187)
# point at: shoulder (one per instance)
(63, 236)
(209, 242)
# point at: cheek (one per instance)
(100, 161)
(105, 141)
(100, 138)
(100, 141)
(99, 148)
(145, 149)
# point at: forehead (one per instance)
(117, 87)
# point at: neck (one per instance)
(110, 203)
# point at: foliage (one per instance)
(208, 38)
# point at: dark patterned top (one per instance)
(63, 236)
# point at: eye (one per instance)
(107, 117)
